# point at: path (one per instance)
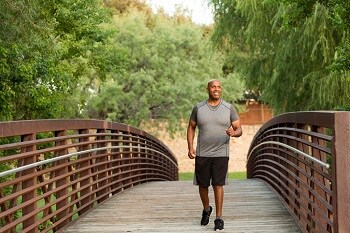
(174, 206)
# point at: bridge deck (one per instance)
(249, 206)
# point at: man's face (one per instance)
(214, 90)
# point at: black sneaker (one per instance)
(206, 216)
(219, 224)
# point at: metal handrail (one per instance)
(46, 161)
(323, 164)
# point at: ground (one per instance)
(238, 149)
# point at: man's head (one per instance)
(214, 89)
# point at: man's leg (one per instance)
(220, 169)
(219, 179)
(202, 179)
(219, 199)
(204, 194)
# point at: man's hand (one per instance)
(230, 132)
(191, 154)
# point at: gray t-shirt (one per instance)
(212, 122)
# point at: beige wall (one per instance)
(256, 113)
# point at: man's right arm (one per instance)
(190, 138)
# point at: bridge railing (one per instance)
(55, 170)
(305, 158)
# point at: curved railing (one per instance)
(56, 170)
(305, 158)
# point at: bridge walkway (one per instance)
(174, 206)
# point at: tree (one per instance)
(86, 49)
(50, 55)
(293, 51)
(170, 63)
(24, 69)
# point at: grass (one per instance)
(185, 176)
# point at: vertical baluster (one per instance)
(86, 173)
(61, 206)
(29, 183)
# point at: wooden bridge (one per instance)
(99, 176)
(174, 206)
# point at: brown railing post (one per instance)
(126, 160)
(86, 173)
(136, 153)
(303, 203)
(61, 182)
(116, 155)
(29, 184)
(143, 155)
(340, 172)
(102, 166)
(318, 177)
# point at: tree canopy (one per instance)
(50, 54)
(296, 53)
(171, 60)
(117, 60)
(111, 59)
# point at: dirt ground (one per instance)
(238, 149)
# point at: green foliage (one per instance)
(342, 108)
(86, 54)
(49, 64)
(71, 56)
(170, 64)
(294, 52)
(22, 62)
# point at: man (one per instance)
(217, 121)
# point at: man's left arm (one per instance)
(235, 130)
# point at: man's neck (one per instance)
(214, 102)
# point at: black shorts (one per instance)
(212, 169)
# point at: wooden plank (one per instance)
(174, 206)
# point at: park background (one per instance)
(121, 61)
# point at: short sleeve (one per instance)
(233, 114)
(194, 114)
